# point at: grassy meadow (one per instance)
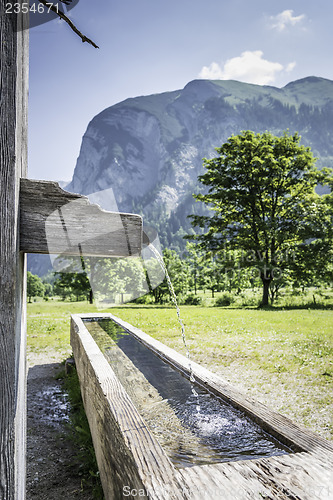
(48, 324)
(282, 357)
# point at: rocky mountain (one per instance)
(145, 153)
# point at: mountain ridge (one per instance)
(147, 151)
(144, 154)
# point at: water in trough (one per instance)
(191, 435)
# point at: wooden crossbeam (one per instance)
(54, 221)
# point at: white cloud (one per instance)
(249, 67)
(290, 67)
(285, 19)
(212, 72)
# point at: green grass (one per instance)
(282, 357)
(48, 323)
(274, 340)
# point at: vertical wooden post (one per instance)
(13, 165)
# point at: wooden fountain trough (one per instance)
(133, 464)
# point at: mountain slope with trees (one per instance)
(147, 151)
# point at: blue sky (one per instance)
(152, 46)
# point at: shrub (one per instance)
(250, 301)
(226, 299)
(192, 300)
(144, 299)
(249, 298)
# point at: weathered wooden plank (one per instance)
(293, 477)
(128, 455)
(207, 482)
(299, 439)
(55, 221)
(13, 165)
(300, 474)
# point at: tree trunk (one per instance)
(91, 296)
(266, 278)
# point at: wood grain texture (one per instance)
(55, 221)
(13, 166)
(300, 476)
(127, 453)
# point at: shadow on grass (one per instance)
(258, 308)
(142, 306)
(311, 305)
(324, 307)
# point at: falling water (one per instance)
(174, 300)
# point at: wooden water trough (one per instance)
(133, 464)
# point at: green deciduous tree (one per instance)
(68, 284)
(122, 276)
(195, 259)
(35, 286)
(100, 278)
(261, 189)
(178, 271)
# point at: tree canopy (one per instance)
(99, 278)
(261, 189)
(35, 286)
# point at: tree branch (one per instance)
(60, 14)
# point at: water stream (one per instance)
(182, 327)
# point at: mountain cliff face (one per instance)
(146, 153)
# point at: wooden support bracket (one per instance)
(54, 221)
